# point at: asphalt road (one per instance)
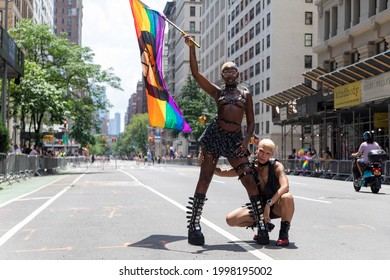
(125, 211)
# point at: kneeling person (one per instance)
(274, 189)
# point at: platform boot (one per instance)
(283, 234)
(195, 235)
(258, 215)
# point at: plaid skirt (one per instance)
(220, 142)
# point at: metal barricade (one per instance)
(330, 169)
(386, 171)
(345, 170)
(4, 176)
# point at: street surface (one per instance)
(124, 211)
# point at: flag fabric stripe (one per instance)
(162, 108)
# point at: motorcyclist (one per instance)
(367, 146)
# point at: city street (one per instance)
(124, 211)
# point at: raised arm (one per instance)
(205, 84)
(250, 119)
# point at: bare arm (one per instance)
(205, 84)
(283, 182)
(249, 119)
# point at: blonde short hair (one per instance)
(269, 144)
(229, 64)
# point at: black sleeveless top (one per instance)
(272, 185)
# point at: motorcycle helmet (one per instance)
(367, 136)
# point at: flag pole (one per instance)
(174, 25)
(182, 32)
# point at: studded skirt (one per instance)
(219, 142)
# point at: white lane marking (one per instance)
(255, 252)
(27, 194)
(220, 182)
(29, 218)
(310, 199)
(35, 198)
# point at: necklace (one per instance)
(262, 166)
(231, 88)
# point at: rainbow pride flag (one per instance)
(162, 109)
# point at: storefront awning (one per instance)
(369, 67)
(290, 94)
(314, 73)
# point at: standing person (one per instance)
(367, 146)
(223, 137)
(274, 189)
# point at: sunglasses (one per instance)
(231, 73)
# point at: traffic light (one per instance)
(252, 141)
(65, 123)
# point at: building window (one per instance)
(258, 8)
(309, 1)
(258, 28)
(308, 18)
(257, 48)
(257, 88)
(192, 11)
(192, 25)
(257, 68)
(308, 61)
(308, 40)
(268, 19)
(268, 84)
(355, 57)
(268, 62)
(266, 127)
(257, 108)
(381, 46)
(268, 41)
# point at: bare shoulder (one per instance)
(279, 167)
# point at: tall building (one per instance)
(68, 15)
(352, 74)
(44, 12)
(255, 36)
(137, 103)
(187, 16)
(17, 10)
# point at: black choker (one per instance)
(264, 164)
(232, 87)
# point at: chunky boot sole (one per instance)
(263, 239)
(196, 238)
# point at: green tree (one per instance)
(193, 103)
(72, 84)
(135, 134)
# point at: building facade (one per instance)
(44, 12)
(351, 79)
(68, 16)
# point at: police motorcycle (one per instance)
(372, 172)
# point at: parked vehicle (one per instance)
(372, 172)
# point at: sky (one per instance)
(108, 29)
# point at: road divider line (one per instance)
(29, 218)
(255, 252)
